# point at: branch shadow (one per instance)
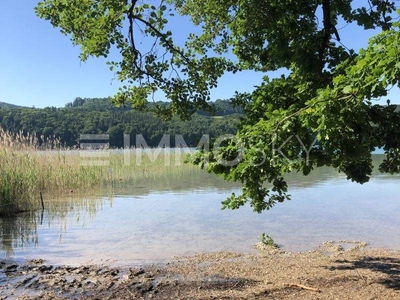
(388, 266)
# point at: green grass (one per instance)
(266, 240)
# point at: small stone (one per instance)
(110, 285)
(137, 272)
(11, 268)
(45, 268)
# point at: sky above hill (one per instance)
(40, 67)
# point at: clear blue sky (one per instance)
(40, 67)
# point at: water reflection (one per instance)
(22, 232)
(18, 232)
(156, 218)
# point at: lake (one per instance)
(154, 220)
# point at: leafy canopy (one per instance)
(321, 111)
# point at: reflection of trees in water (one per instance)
(22, 230)
(186, 180)
(58, 209)
(318, 176)
(18, 232)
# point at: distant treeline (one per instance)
(99, 116)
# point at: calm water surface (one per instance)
(154, 220)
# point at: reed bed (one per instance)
(31, 165)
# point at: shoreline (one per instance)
(330, 271)
(122, 264)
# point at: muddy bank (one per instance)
(332, 271)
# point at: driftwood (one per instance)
(303, 287)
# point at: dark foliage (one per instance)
(99, 116)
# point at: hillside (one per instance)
(99, 116)
(9, 105)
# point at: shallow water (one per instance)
(154, 220)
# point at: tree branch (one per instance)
(136, 53)
(347, 98)
(326, 8)
(170, 46)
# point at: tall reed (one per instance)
(27, 170)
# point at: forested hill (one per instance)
(221, 107)
(99, 116)
(8, 105)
